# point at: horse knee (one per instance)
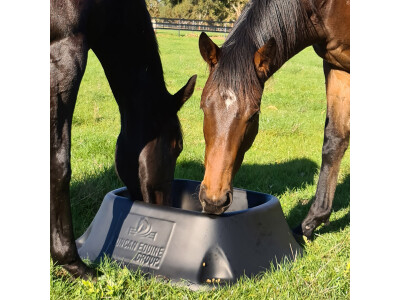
(60, 173)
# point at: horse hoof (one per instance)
(80, 270)
(302, 236)
(308, 232)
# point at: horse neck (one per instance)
(128, 51)
(288, 21)
(136, 79)
(138, 85)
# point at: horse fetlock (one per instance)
(308, 228)
(312, 221)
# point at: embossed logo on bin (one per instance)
(143, 228)
(143, 241)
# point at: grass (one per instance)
(284, 161)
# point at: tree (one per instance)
(153, 6)
(216, 10)
(236, 7)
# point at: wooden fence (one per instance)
(191, 25)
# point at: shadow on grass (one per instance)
(273, 179)
(87, 196)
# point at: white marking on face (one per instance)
(230, 98)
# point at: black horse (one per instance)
(121, 35)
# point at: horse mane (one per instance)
(285, 20)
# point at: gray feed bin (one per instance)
(181, 242)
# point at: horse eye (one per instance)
(179, 145)
(253, 117)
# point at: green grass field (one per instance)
(284, 161)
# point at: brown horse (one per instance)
(121, 35)
(266, 35)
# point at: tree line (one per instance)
(216, 10)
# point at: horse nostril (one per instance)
(228, 200)
(202, 193)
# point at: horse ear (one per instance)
(184, 93)
(209, 50)
(263, 58)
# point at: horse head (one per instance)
(231, 104)
(151, 143)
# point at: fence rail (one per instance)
(191, 25)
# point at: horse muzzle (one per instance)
(215, 205)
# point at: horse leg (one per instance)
(68, 58)
(336, 141)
